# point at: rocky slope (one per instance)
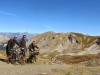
(51, 41)
(3, 38)
(55, 45)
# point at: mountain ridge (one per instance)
(52, 40)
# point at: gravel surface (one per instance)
(29, 69)
(46, 67)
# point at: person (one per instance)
(23, 47)
(33, 51)
(10, 45)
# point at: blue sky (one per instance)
(38, 16)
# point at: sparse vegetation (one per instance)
(76, 59)
(85, 39)
(3, 52)
(69, 73)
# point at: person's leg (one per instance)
(35, 57)
(8, 56)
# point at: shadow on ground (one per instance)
(3, 60)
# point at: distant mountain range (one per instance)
(19, 35)
(4, 37)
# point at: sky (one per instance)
(38, 16)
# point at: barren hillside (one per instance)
(60, 46)
(51, 41)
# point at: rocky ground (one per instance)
(46, 67)
(42, 67)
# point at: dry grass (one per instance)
(3, 52)
(76, 59)
(85, 39)
(53, 54)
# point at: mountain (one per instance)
(51, 41)
(19, 35)
(67, 47)
(4, 37)
(78, 48)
